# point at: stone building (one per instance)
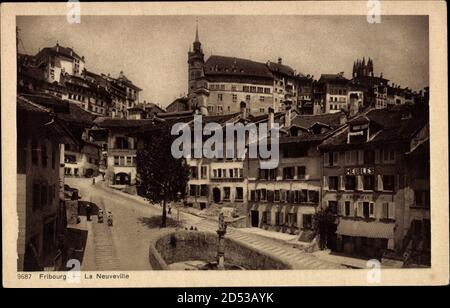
(365, 180)
(286, 198)
(230, 80)
(41, 213)
(334, 92)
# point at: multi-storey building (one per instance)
(82, 160)
(364, 180)
(41, 213)
(334, 91)
(57, 60)
(120, 148)
(231, 80)
(286, 198)
(305, 95)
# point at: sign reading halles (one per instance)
(360, 171)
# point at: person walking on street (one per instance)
(93, 181)
(88, 211)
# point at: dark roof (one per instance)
(26, 105)
(120, 123)
(78, 115)
(61, 51)
(280, 68)
(394, 125)
(307, 121)
(32, 72)
(332, 78)
(220, 65)
(49, 101)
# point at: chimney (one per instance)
(271, 118)
(244, 110)
(280, 60)
(287, 115)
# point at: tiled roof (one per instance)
(396, 124)
(221, 65)
(307, 121)
(120, 123)
(280, 68)
(332, 77)
(78, 115)
(62, 51)
(24, 104)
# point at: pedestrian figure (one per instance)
(170, 210)
(192, 228)
(88, 211)
(195, 229)
(93, 181)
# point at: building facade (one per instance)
(364, 181)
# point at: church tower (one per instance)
(195, 63)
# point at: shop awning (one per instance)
(366, 229)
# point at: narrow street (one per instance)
(124, 246)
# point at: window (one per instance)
(263, 195)
(276, 196)
(204, 172)
(233, 88)
(422, 198)
(116, 160)
(301, 172)
(129, 161)
(234, 98)
(369, 182)
(260, 90)
(36, 196)
(226, 193)
(75, 171)
(219, 109)
(252, 195)
(389, 182)
(262, 110)
(44, 155)
(350, 182)
(204, 190)
(53, 158)
(44, 195)
(313, 196)
(333, 158)
(347, 206)
(288, 173)
(220, 97)
(192, 190)
(369, 157)
(388, 210)
(253, 89)
(239, 193)
(368, 209)
(34, 151)
(121, 143)
(307, 221)
(333, 183)
(333, 207)
(267, 90)
(261, 99)
(246, 89)
(247, 98)
(194, 172)
(388, 155)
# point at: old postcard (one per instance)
(224, 144)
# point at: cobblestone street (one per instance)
(124, 246)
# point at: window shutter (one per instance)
(326, 159)
(359, 182)
(360, 209)
(342, 208)
(341, 183)
(335, 158)
(377, 156)
(379, 186)
(391, 210)
(372, 213)
(325, 182)
(360, 157)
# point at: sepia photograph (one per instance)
(222, 142)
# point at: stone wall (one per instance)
(183, 245)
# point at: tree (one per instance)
(162, 178)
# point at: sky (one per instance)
(152, 50)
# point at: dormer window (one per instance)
(358, 133)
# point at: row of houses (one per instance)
(370, 171)
(222, 82)
(60, 71)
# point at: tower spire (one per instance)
(196, 31)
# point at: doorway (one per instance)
(216, 195)
(255, 218)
